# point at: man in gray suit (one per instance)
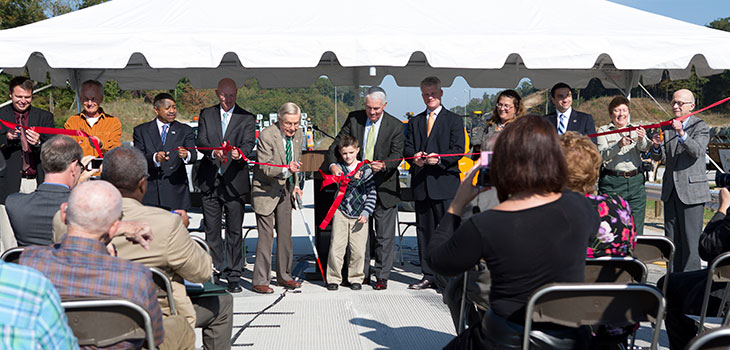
(273, 192)
(31, 214)
(684, 187)
(380, 136)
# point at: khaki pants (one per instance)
(178, 334)
(346, 231)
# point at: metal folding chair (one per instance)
(102, 322)
(583, 304)
(12, 255)
(205, 246)
(164, 288)
(716, 339)
(650, 249)
(719, 271)
(615, 270)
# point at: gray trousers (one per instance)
(279, 219)
(383, 232)
(683, 225)
(215, 315)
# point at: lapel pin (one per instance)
(172, 132)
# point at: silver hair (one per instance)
(376, 93)
(289, 108)
(94, 206)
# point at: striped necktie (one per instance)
(562, 124)
(289, 158)
(163, 135)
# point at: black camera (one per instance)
(484, 179)
(722, 179)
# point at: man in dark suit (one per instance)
(434, 179)
(684, 187)
(565, 118)
(31, 214)
(381, 138)
(21, 148)
(159, 139)
(223, 178)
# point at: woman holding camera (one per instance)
(621, 173)
(507, 109)
(535, 236)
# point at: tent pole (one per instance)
(75, 75)
(356, 86)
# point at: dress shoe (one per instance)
(332, 286)
(381, 284)
(290, 284)
(422, 284)
(234, 287)
(262, 289)
(366, 281)
(356, 286)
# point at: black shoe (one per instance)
(234, 287)
(332, 286)
(356, 286)
(422, 284)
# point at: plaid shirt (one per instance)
(360, 195)
(81, 267)
(31, 316)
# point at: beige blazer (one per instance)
(268, 181)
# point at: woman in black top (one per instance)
(535, 236)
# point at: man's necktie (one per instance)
(27, 167)
(163, 135)
(289, 158)
(370, 143)
(562, 124)
(431, 120)
(224, 123)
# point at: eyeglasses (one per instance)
(505, 106)
(680, 103)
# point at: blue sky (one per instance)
(701, 12)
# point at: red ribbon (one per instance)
(55, 131)
(226, 147)
(664, 123)
(342, 180)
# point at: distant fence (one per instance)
(654, 193)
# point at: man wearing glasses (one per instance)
(684, 186)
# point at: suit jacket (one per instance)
(12, 152)
(167, 186)
(579, 122)
(268, 181)
(172, 250)
(438, 181)
(31, 214)
(388, 145)
(241, 133)
(685, 169)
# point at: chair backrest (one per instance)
(651, 249)
(718, 271)
(716, 339)
(164, 288)
(202, 243)
(615, 270)
(582, 304)
(12, 255)
(102, 322)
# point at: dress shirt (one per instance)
(435, 114)
(108, 129)
(684, 127)
(81, 267)
(567, 115)
(285, 173)
(230, 114)
(31, 316)
(376, 129)
(186, 160)
(617, 158)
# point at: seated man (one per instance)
(80, 266)
(172, 249)
(32, 315)
(686, 289)
(31, 214)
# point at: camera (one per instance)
(483, 178)
(722, 179)
(94, 164)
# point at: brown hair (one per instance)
(583, 160)
(617, 101)
(24, 83)
(527, 157)
(345, 141)
(517, 101)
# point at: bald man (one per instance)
(684, 187)
(80, 266)
(223, 179)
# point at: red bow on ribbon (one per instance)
(342, 179)
(55, 131)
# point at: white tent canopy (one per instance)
(289, 43)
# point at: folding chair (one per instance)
(12, 255)
(583, 304)
(205, 246)
(164, 288)
(716, 339)
(102, 322)
(719, 271)
(650, 249)
(610, 269)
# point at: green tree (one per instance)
(15, 13)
